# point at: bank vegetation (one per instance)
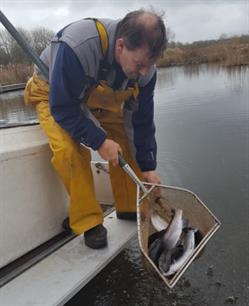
(232, 51)
(16, 66)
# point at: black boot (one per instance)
(96, 237)
(126, 215)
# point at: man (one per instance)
(100, 95)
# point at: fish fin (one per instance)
(185, 224)
(155, 236)
(173, 210)
(198, 237)
(190, 228)
(158, 222)
(185, 230)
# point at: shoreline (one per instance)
(229, 52)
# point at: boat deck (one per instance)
(58, 277)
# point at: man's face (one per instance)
(134, 63)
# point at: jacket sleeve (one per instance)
(67, 83)
(144, 128)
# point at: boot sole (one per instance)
(96, 245)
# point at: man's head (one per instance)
(140, 41)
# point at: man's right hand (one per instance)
(109, 151)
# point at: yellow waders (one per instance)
(72, 161)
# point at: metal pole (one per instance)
(24, 45)
(123, 164)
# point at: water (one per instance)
(202, 119)
(13, 111)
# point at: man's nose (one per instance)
(144, 71)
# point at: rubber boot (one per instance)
(96, 237)
(127, 215)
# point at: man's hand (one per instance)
(109, 151)
(151, 177)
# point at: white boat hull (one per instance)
(33, 200)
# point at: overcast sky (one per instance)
(190, 20)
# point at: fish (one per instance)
(158, 222)
(155, 250)
(168, 256)
(177, 263)
(155, 235)
(174, 230)
(166, 240)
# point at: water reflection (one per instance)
(13, 111)
(166, 77)
(191, 70)
(169, 76)
(238, 77)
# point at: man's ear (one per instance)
(120, 45)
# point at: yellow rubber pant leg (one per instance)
(72, 163)
(124, 189)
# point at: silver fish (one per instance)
(189, 246)
(167, 257)
(155, 250)
(166, 239)
(174, 230)
(158, 223)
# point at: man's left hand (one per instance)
(151, 177)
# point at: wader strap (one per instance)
(102, 34)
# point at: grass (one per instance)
(229, 53)
(18, 73)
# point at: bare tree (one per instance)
(4, 58)
(16, 53)
(170, 34)
(41, 37)
(10, 52)
(223, 36)
(5, 42)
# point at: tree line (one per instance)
(11, 52)
(225, 39)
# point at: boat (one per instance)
(41, 263)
